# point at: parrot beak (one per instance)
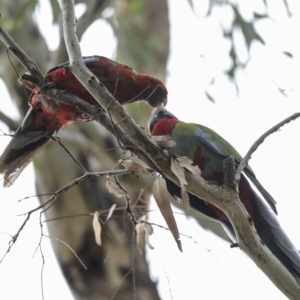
(158, 101)
(165, 101)
(158, 95)
(160, 107)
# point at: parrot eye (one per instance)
(85, 116)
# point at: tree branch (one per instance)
(97, 115)
(27, 62)
(254, 147)
(93, 12)
(229, 172)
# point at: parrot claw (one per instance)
(234, 245)
(99, 112)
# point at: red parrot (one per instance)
(208, 150)
(47, 116)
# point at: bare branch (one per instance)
(77, 181)
(47, 204)
(72, 250)
(26, 61)
(96, 114)
(70, 154)
(42, 255)
(93, 12)
(64, 97)
(254, 147)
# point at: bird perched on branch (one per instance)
(47, 116)
(207, 150)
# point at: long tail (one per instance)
(269, 229)
(271, 233)
(26, 143)
(266, 223)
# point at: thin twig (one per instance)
(42, 254)
(77, 181)
(117, 288)
(93, 12)
(34, 196)
(70, 154)
(64, 97)
(129, 211)
(254, 147)
(133, 262)
(113, 247)
(19, 53)
(46, 205)
(91, 214)
(182, 234)
(61, 241)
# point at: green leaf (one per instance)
(210, 98)
(280, 90)
(191, 4)
(260, 16)
(247, 28)
(287, 8)
(207, 94)
(288, 54)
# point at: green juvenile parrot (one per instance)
(207, 150)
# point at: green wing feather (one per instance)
(213, 141)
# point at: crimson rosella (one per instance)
(47, 116)
(208, 150)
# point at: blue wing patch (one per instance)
(206, 139)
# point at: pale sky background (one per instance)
(207, 269)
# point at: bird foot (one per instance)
(99, 111)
